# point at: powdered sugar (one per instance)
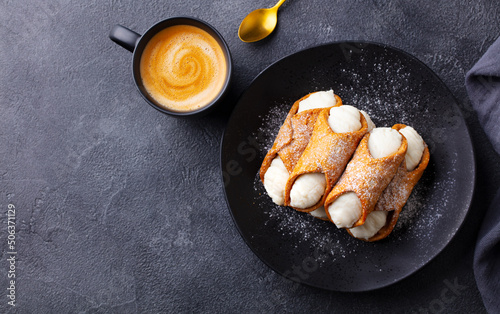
(300, 227)
(418, 216)
(286, 239)
(384, 91)
(271, 124)
(387, 91)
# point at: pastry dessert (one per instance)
(331, 161)
(292, 140)
(380, 223)
(336, 135)
(373, 166)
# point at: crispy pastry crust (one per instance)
(398, 191)
(293, 136)
(328, 153)
(367, 177)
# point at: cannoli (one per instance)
(380, 223)
(291, 141)
(320, 212)
(373, 166)
(336, 135)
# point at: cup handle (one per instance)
(124, 37)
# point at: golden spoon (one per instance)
(259, 24)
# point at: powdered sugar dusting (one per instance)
(301, 227)
(419, 216)
(393, 88)
(270, 127)
(384, 90)
(387, 91)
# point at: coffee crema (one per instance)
(183, 68)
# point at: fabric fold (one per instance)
(483, 86)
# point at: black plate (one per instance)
(394, 87)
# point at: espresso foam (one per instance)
(183, 68)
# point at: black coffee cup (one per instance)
(136, 44)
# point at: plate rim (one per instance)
(473, 165)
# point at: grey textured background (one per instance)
(120, 209)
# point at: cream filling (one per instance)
(275, 180)
(344, 119)
(384, 142)
(415, 147)
(319, 213)
(345, 210)
(373, 223)
(318, 100)
(307, 190)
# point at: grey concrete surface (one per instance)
(120, 209)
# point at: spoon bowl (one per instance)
(259, 23)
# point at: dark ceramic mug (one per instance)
(136, 44)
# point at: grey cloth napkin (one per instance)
(483, 86)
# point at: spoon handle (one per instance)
(278, 4)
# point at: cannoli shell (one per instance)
(293, 136)
(398, 191)
(328, 153)
(367, 177)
